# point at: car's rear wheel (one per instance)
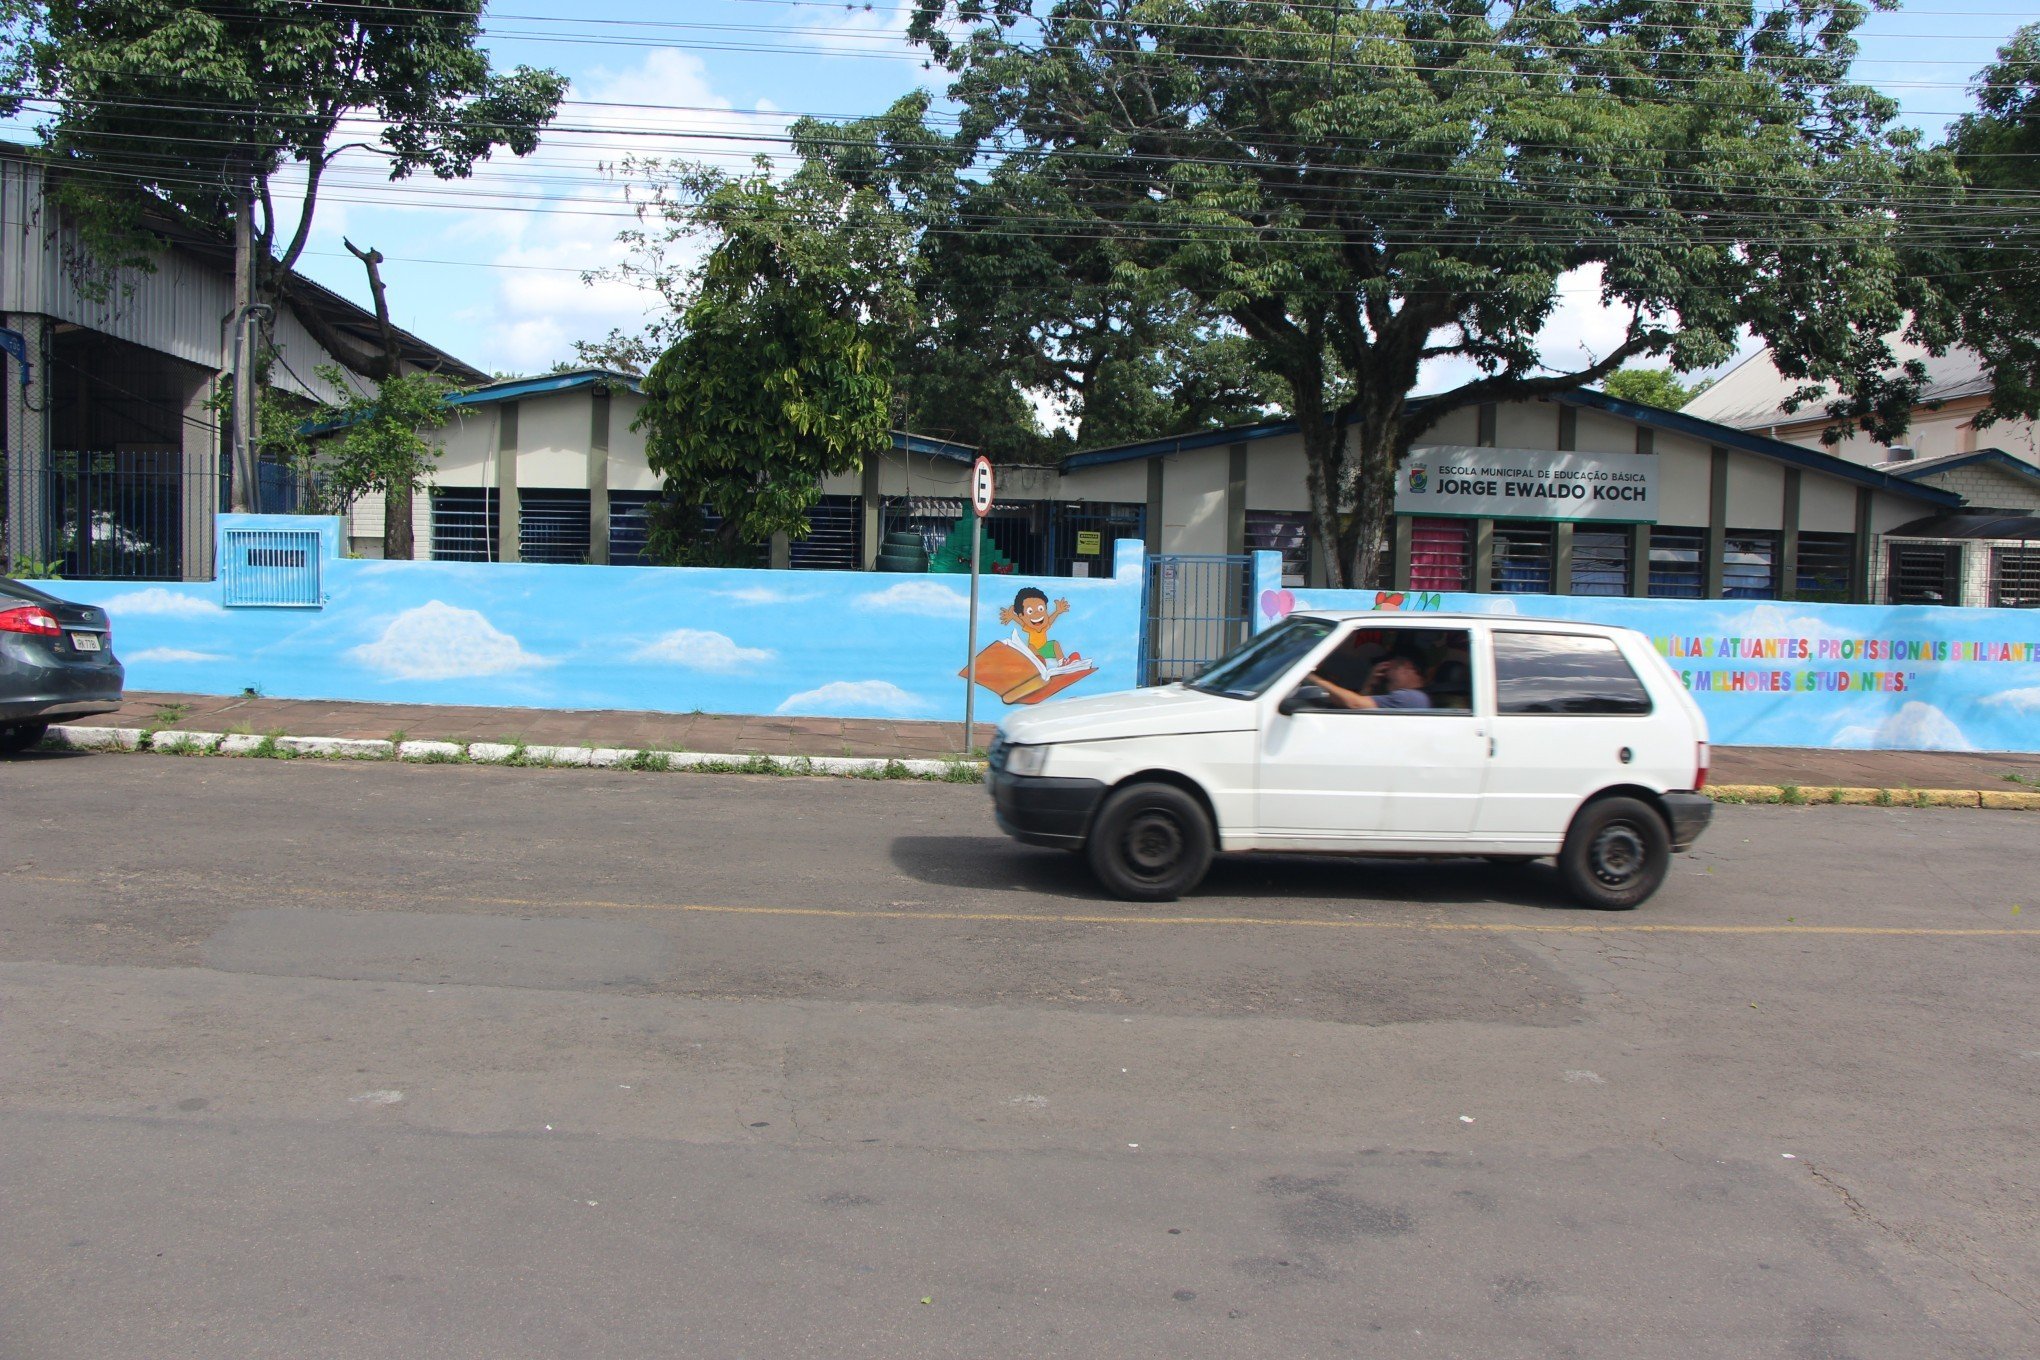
(1616, 854)
(1150, 843)
(20, 736)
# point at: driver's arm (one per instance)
(1342, 696)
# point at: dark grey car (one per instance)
(56, 661)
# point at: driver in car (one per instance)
(1393, 683)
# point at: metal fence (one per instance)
(121, 516)
(1197, 611)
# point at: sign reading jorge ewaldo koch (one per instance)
(1450, 479)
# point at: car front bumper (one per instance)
(1039, 810)
(1689, 814)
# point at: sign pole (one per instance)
(981, 505)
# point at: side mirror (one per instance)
(1305, 697)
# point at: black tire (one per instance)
(21, 736)
(1616, 853)
(1150, 843)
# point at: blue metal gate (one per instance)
(1197, 611)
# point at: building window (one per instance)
(1600, 562)
(627, 527)
(2015, 577)
(1525, 551)
(1677, 570)
(464, 522)
(1553, 673)
(1749, 565)
(1286, 532)
(1924, 573)
(1827, 567)
(1441, 554)
(835, 536)
(552, 526)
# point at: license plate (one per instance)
(85, 642)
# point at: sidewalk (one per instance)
(727, 734)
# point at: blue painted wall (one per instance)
(849, 644)
(1783, 673)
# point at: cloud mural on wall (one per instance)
(436, 641)
(855, 699)
(171, 655)
(156, 600)
(1916, 726)
(921, 596)
(764, 595)
(698, 649)
(2019, 700)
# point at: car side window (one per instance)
(1398, 670)
(1559, 673)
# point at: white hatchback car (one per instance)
(1375, 734)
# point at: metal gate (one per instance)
(1197, 611)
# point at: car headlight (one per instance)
(1026, 760)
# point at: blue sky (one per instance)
(490, 268)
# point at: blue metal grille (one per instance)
(1600, 562)
(118, 516)
(552, 526)
(835, 536)
(627, 527)
(270, 568)
(464, 524)
(1524, 555)
(1677, 571)
(1197, 612)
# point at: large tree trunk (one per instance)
(1324, 463)
(1379, 453)
(397, 541)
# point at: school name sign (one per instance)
(1453, 480)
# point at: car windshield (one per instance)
(1248, 670)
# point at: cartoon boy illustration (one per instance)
(1032, 613)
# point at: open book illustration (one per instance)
(1010, 670)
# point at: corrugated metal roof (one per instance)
(1752, 395)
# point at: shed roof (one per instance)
(1752, 395)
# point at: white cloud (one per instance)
(919, 596)
(855, 699)
(162, 655)
(437, 641)
(765, 595)
(1768, 620)
(161, 601)
(699, 650)
(1915, 727)
(2024, 700)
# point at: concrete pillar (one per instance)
(598, 475)
(782, 552)
(1405, 542)
(1236, 499)
(200, 482)
(1639, 535)
(1859, 576)
(1154, 507)
(28, 441)
(1486, 424)
(1561, 558)
(1788, 547)
(1483, 556)
(871, 509)
(509, 547)
(1717, 524)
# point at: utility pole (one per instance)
(241, 475)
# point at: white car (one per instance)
(1375, 734)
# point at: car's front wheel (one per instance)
(20, 736)
(1150, 843)
(1616, 854)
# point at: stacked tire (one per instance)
(903, 550)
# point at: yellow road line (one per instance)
(1141, 919)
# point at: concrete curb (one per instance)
(180, 742)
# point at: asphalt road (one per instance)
(306, 1059)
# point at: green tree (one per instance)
(781, 374)
(1365, 189)
(1992, 270)
(1653, 387)
(370, 444)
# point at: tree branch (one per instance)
(350, 355)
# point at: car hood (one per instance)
(1168, 710)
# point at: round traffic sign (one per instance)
(981, 487)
